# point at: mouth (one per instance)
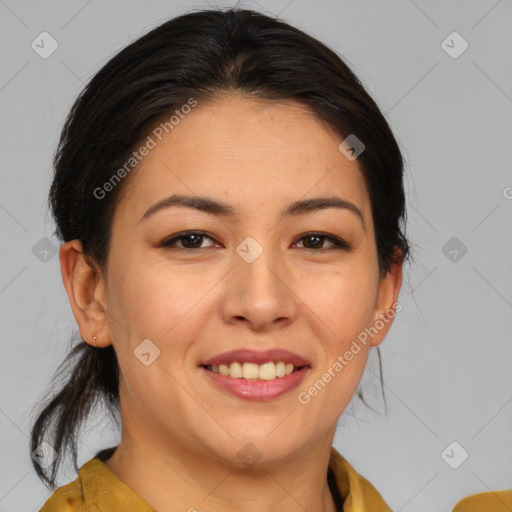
(254, 375)
(252, 371)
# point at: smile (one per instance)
(256, 375)
(252, 387)
(253, 371)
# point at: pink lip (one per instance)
(258, 389)
(257, 357)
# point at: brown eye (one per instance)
(191, 240)
(316, 241)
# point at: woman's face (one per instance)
(252, 280)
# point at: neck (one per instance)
(196, 483)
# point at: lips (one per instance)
(257, 357)
(268, 385)
(257, 390)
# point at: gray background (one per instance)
(448, 357)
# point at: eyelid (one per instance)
(337, 242)
(173, 239)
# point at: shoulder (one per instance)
(67, 498)
(497, 501)
(74, 496)
(357, 492)
(96, 488)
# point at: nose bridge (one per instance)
(258, 291)
(258, 268)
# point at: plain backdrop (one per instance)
(448, 357)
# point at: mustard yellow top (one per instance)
(497, 501)
(98, 485)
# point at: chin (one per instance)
(258, 447)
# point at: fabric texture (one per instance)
(98, 488)
(497, 501)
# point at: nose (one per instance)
(259, 294)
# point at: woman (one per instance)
(231, 204)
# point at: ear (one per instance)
(387, 302)
(86, 291)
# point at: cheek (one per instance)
(344, 301)
(345, 309)
(152, 303)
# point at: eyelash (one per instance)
(337, 242)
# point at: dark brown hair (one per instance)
(196, 55)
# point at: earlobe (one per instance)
(85, 287)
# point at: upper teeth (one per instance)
(267, 371)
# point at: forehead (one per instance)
(257, 153)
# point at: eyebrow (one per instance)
(214, 207)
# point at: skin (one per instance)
(181, 434)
